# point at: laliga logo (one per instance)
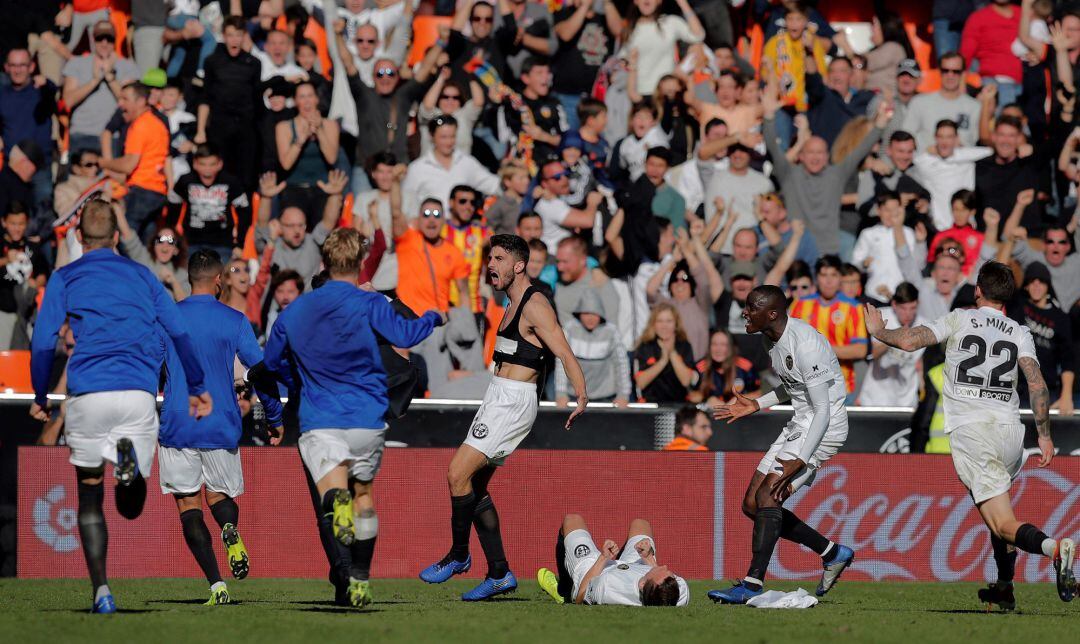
(64, 539)
(929, 536)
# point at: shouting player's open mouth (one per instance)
(493, 278)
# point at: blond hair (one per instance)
(649, 335)
(849, 138)
(343, 251)
(509, 168)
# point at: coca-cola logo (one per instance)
(923, 526)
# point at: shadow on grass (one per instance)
(327, 602)
(83, 611)
(341, 610)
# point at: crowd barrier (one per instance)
(907, 517)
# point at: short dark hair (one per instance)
(884, 196)
(686, 415)
(464, 188)
(947, 123)
(1058, 228)
(966, 198)
(666, 593)
(798, 6)
(1011, 121)
(537, 245)
(528, 214)
(205, 150)
(953, 54)
(204, 264)
(662, 223)
(901, 136)
(16, 207)
(380, 158)
(659, 152)
(905, 293)
(996, 282)
(643, 106)
(531, 62)
(798, 269)
(842, 59)
(512, 244)
(849, 269)
(286, 275)
(236, 22)
(139, 89)
(590, 107)
(78, 155)
(439, 121)
(734, 75)
(827, 261)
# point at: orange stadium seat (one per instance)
(15, 372)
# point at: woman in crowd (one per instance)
(165, 254)
(891, 45)
(447, 96)
(307, 149)
(655, 36)
(664, 360)
(724, 371)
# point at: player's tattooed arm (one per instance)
(1038, 394)
(909, 339)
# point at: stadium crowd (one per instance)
(656, 168)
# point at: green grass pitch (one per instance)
(159, 611)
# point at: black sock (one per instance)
(1004, 557)
(337, 555)
(226, 511)
(198, 540)
(461, 517)
(363, 549)
(1030, 539)
(793, 529)
(130, 499)
(486, 520)
(767, 526)
(566, 581)
(93, 532)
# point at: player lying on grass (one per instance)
(812, 380)
(627, 576)
(202, 456)
(327, 337)
(982, 419)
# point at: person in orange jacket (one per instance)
(694, 431)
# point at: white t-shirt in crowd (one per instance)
(892, 379)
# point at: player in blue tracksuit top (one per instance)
(119, 314)
(202, 455)
(326, 340)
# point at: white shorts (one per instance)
(94, 422)
(185, 470)
(987, 457)
(360, 450)
(582, 553)
(788, 445)
(504, 419)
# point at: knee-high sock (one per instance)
(226, 511)
(198, 541)
(1033, 540)
(1004, 557)
(566, 581)
(363, 549)
(486, 520)
(767, 526)
(337, 555)
(462, 509)
(793, 529)
(93, 532)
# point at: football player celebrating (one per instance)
(813, 381)
(527, 339)
(982, 419)
(203, 456)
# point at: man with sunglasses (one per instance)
(1061, 261)
(950, 102)
(427, 264)
(83, 173)
(469, 236)
(92, 86)
(558, 217)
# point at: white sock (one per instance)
(102, 590)
(751, 580)
(366, 527)
(828, 551)
(217, 586)
(1049, 546)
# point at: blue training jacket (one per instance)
(326, 338)
(119, 313)
(220, 335)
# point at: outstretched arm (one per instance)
(1040, 406)
(905, 339)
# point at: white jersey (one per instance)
(617, 585)
(802, 357)
(892, 379)
(981, 359)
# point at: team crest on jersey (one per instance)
(789, 362)
(623, 567)
(582, 551)
(479, 430)
(838, 317)
(545, 112)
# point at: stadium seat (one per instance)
(15, 372)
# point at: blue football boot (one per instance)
(439, 572)
(491, 587)
(737, 594)
(832, 570)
